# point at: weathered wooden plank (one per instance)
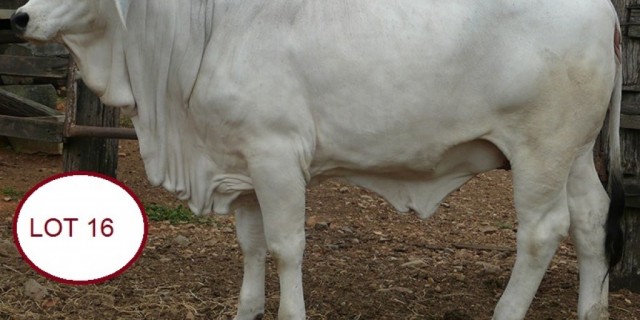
(6, 13)
(630, 122)
(628, 274)
(7, 36)
(47, 129)
(12, 4)
(16, 106)
(630, 25)
(631, 88)
(631, 108)
(89, 154)
(632, 191)
(36, 67)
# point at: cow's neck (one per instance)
(100, 58)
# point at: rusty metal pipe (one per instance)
(76, 131)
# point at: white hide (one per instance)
(123, 10)
(409, 98)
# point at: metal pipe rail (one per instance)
(77, 131)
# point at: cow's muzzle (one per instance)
(19, 22)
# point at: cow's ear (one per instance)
(123, 9)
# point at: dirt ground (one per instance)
(363, 260)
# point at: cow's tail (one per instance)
(614, 241)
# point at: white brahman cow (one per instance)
(240, 104)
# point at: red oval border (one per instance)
(88, 282)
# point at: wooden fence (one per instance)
(87, 129)
(627, 275)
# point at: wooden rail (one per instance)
(36, 67)
(46, 129)
(5, 14)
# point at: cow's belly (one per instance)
(410, 153)
(424, 186)
(367, 125)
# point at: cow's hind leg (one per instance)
(250, 232)
(588, 203)
(543, 217)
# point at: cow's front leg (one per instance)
(280, 187)
(250, 233)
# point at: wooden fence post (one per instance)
(84, 108)
(627, 275)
